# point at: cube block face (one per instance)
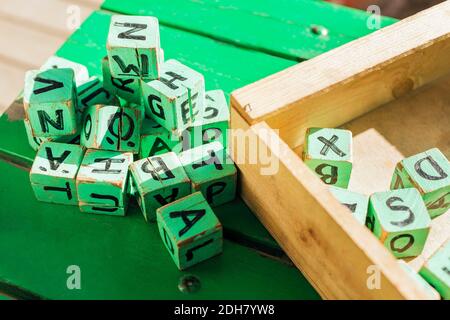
(134, 47)
(176, 98)
(35, 142)
(213, 123)
(190, 230)
(111, 128)
(128, 88)
(328, 152)
(436, 271)
(54, 171)
(212, 172)
(357, 203)
(400, 220)
(80, 71)
(156, 140)
(102, 182)
(94, 92)
(159, 180)
(50, 102)
(428, 172)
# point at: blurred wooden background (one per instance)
(32, 30)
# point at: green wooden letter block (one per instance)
(35, 142)
(436, 271)
(93, 92)
(400, 220)
(134, 47)
(54, 171)
(159, 180)
(176, 98)
(213, 123)
(211, 171)
(128, 88)
(156, 140)
(433, 294)
(328, 152)
(102, 182)
(357, 203)
(50, 102)
(428, 172)
(81, 73)
(190, 230)
(111, 128)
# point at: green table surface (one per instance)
(232, 44)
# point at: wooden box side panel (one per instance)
(353, 79)
(333, 250)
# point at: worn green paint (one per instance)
(211, 171)
(50, 102)
(190, 230)
(93, 92)
(400, 220)
(56, 166)
(297, 30)
(428, 172)
(357, 203)
(176, 98)
(81, 73)
(134, 47)
(328, 152)
(111, 128)
(213, 123)
(159, 180)
(417, 278)
(120, 258)
(102, 181)
(157, 140)
(436, 270)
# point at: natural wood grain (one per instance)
(11, 78)
(353, 79)
(320, 235)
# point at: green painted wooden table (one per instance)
(232, 43)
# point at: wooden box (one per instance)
(392, 90)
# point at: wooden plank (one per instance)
(52, 16)
(11, 81)
(296, 30)
(351, 80)
(119, 258)
(320, 235)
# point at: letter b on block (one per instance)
(429, 173)
(328, 152)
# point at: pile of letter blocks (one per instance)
(399, 218)
(88, 132)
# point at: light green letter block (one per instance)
(156, 140)
(428, 172)
(159, 180)
(211, 171)
(328, 152)
(111, 128)
(190, 230)
(54, 171)
(357, 203)
(400, 220)
(176, 98)
(437, 270)
(50, 102)
(81, 73)
(213, 123)
(35, 142)
(102, 182)
(127, 88)
(134, 47)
